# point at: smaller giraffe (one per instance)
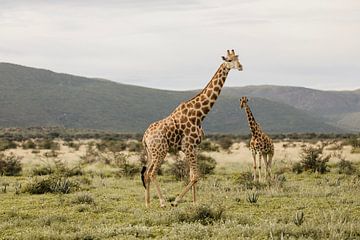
(260, 143)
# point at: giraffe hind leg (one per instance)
(152, 176)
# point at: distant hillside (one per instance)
(335, 106)
(37, 97)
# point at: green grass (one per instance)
(330, 203)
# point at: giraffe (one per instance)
(260, 143)
(182, 131)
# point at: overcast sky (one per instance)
(173, 44)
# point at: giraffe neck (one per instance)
(251, 120)
(203, 102)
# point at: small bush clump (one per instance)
(10, 165)
(225, 142)
(180, 168)
(313, 160)
(53, 184)
(346, 167)
(84, 198)
(134, 146)
(111, 145)
(7, 144)
(203, 214)
(48, 144)
(208, 146)
(29, 144)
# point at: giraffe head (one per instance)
(232, 60)
(243, 101)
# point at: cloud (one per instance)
(178, 44)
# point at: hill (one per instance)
(338, 107)
(37, 97)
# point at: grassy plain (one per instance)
(107, 205)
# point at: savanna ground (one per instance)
(55, 187)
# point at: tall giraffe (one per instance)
(182, 130)
(260, 142)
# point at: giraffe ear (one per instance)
(223, 58)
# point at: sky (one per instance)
(173, 44)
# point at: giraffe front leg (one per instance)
(254, 167)
(270, 156)
(259, 168)
(194, 176)
(193, 186)
(266, 165)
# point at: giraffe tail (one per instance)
(143, 170)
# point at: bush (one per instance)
(134, 146)
(126, 169)
(53, 184)
(206, 164)
(10, 165)
(48, 144)
(7, 144)
(225, 142)
(29, 144)
(312, 160)
(208, 146)
(84, 198)
(180, 168)
(203, 214)
(297, 168)
(346, 167)
(246, 181)
(111, 145)
(58, 167)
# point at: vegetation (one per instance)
(312, 160)
(101, 197)
(10, 165)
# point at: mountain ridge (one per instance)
(40, 97)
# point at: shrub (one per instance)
(225, 142)
(180, 168)
(84, 198)
(245, 180)
(126, 169)
(208, 146)
(29, 144)
(58, 167)
(48, 144)
(298, 218)
(297, 168)
(7, 144)
(134, 146)
(203, 214)
(42, 170)
(206, 164)
(73, 145)
(10, 165)
(313, 160)
(111, 145)
(53, 184)
(252, 197)
(346, 167)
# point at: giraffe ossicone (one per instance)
(182, 130)
(260, 143)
